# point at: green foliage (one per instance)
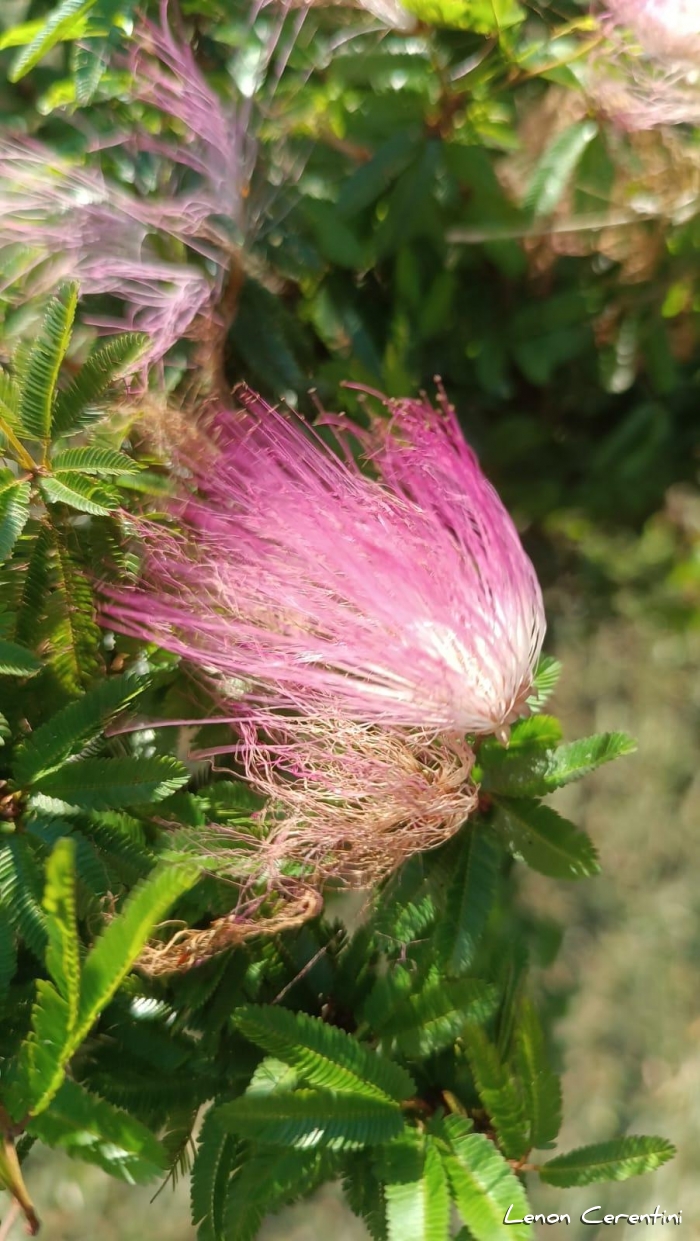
(323, 1057)
(482, 1183)
(499, 1093)
(14, 512)
(541, 1086)
(67, 1007)
(112, 783)
(540, 766)
(417, 1194)
(44, 364)
(545, 839)
(123, 939)
(64, 22)
(468, 901)
(16, 661)
(556, 167)
(308, 1118)
(217, 1155)
(91, 1129)
(431, 1019)
(67, 732)
(608, 1161)
(78, 404)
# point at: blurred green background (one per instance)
(456, 202)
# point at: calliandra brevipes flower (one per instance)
(403, 599)
(667, 29)
(61, 219)
(647, 73)
(64, 218)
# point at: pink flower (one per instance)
(404, 599)
(215, 141)
(70, 220)
(660, 85)
(667, 29)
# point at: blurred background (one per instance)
(458, 191)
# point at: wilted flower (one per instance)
(404, 599)
(352, 801)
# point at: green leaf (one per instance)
(596, 175)
(20, 892)
(556, 166)
(80, 493)
(370, 181)
(364, 1193)
(542, 1087)
(309, 1118)
(218, 1153)
(77, 405)
(515, 769)
(482, 16)
(499, 1093)
(44, 364)
(67, 732)
(20, 35)
(94, 461)
(272, 1075)
(36, 587)
(534, 771)
(39, 1070)
(417, 1199)
(410, 196)
(544, 839)
(467, 902)
(608, 1161)
(113, 783)
(119, 945)
(9, 395)
(91, 1129)
(323, 1055)
(544, 681)
(266, 1182)
(14, 514)
(64, 22)
(76, 639)
(425, 1023)
(63, 950)
(16, 661)
(88, 63)
(8, 953)
(482, 1183)
(578, 758)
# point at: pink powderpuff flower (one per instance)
(345, 800)
(660, 85)
(63, 220)
(667, 29)
(404, 599)
(70, 220)
(216, 141)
